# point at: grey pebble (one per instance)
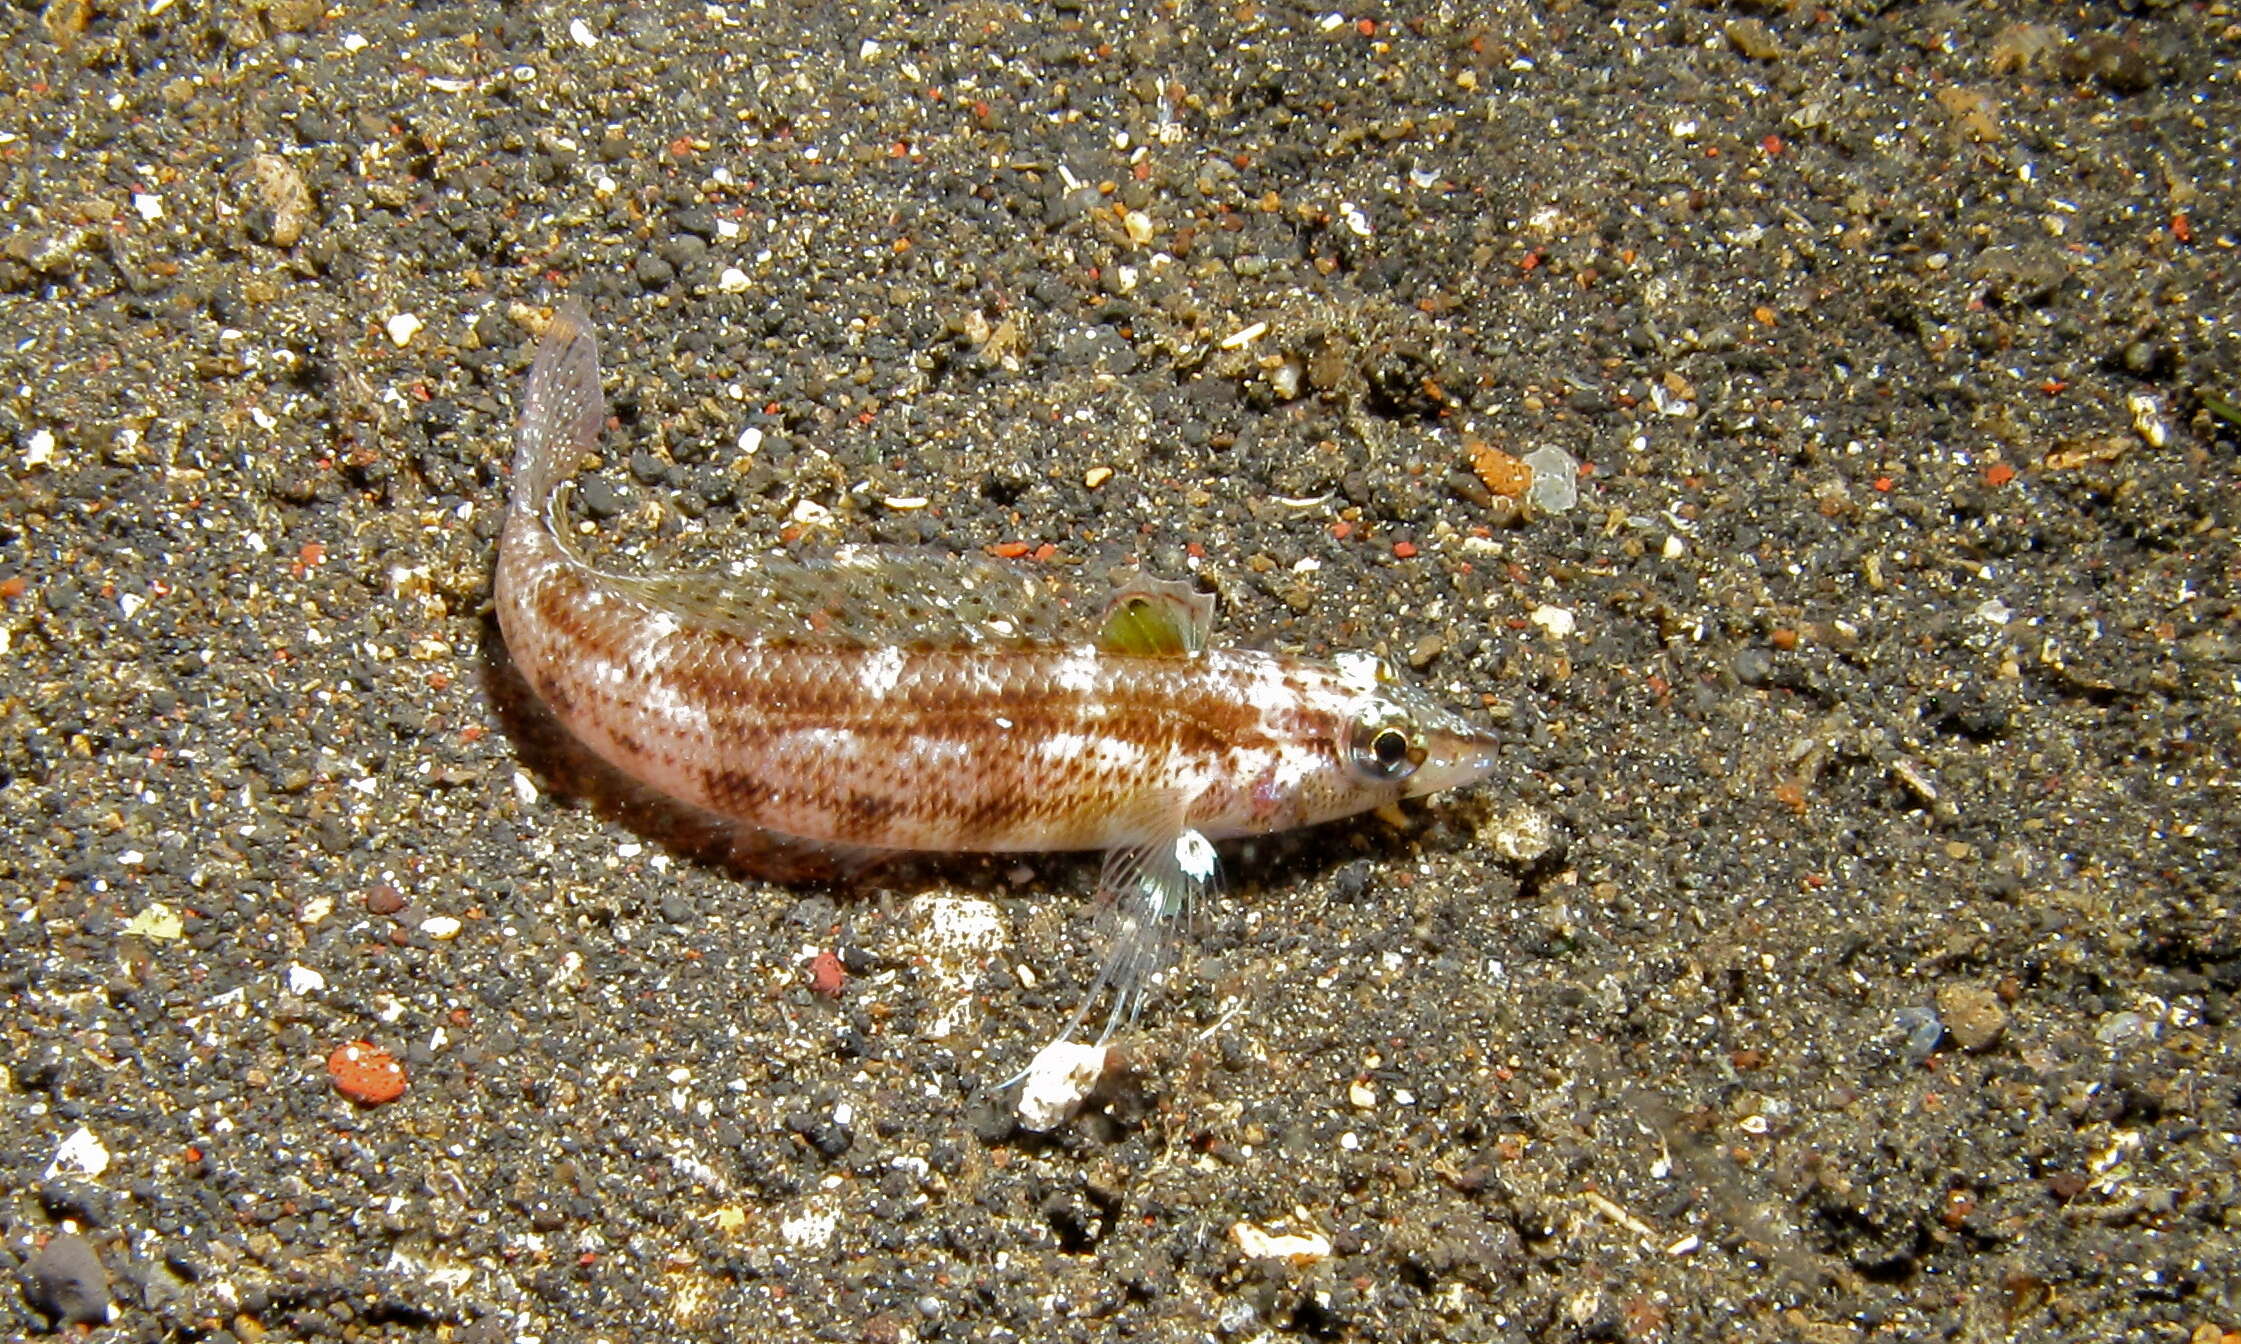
(600, 498)
(65, 1282)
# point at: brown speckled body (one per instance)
(941, 742)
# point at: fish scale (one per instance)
(885, 701)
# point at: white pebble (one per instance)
(1057, 1083)
(1244, 336)
(1556, 620)
(81, 1154)
(402, 328)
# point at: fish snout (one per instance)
(1461, 755)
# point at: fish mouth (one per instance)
(1479, 752)
(1462, 755)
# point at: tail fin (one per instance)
(563, 412)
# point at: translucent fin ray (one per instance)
(867, 597)
(1149, 896)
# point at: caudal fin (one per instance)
(563, 411)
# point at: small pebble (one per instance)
(1523, 835)
(1300, 1250)
(600, 498)
(81, 1153)
(1923, 1032)
(1973, 1014)
(827, 975)
(38, 450)
(1754, 39)
(366, 1074)
(65, 1282)
(2125, 1030)
(1556, 620)
(159, 922)
(1556, 480)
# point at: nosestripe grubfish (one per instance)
(908, 700)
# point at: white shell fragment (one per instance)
(1062, 1076)
(1300, 1250)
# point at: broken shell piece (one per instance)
(1300, 1251)
(1061, 1078)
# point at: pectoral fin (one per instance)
(1147, 896)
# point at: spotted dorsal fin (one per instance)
(1157, 618)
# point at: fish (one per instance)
(893, 700)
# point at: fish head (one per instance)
(1399, 742)
(1372, 740)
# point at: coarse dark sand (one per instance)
(1882, 694)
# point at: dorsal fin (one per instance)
(1157, 618)
(864, 597)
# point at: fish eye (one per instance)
(1382, 751)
